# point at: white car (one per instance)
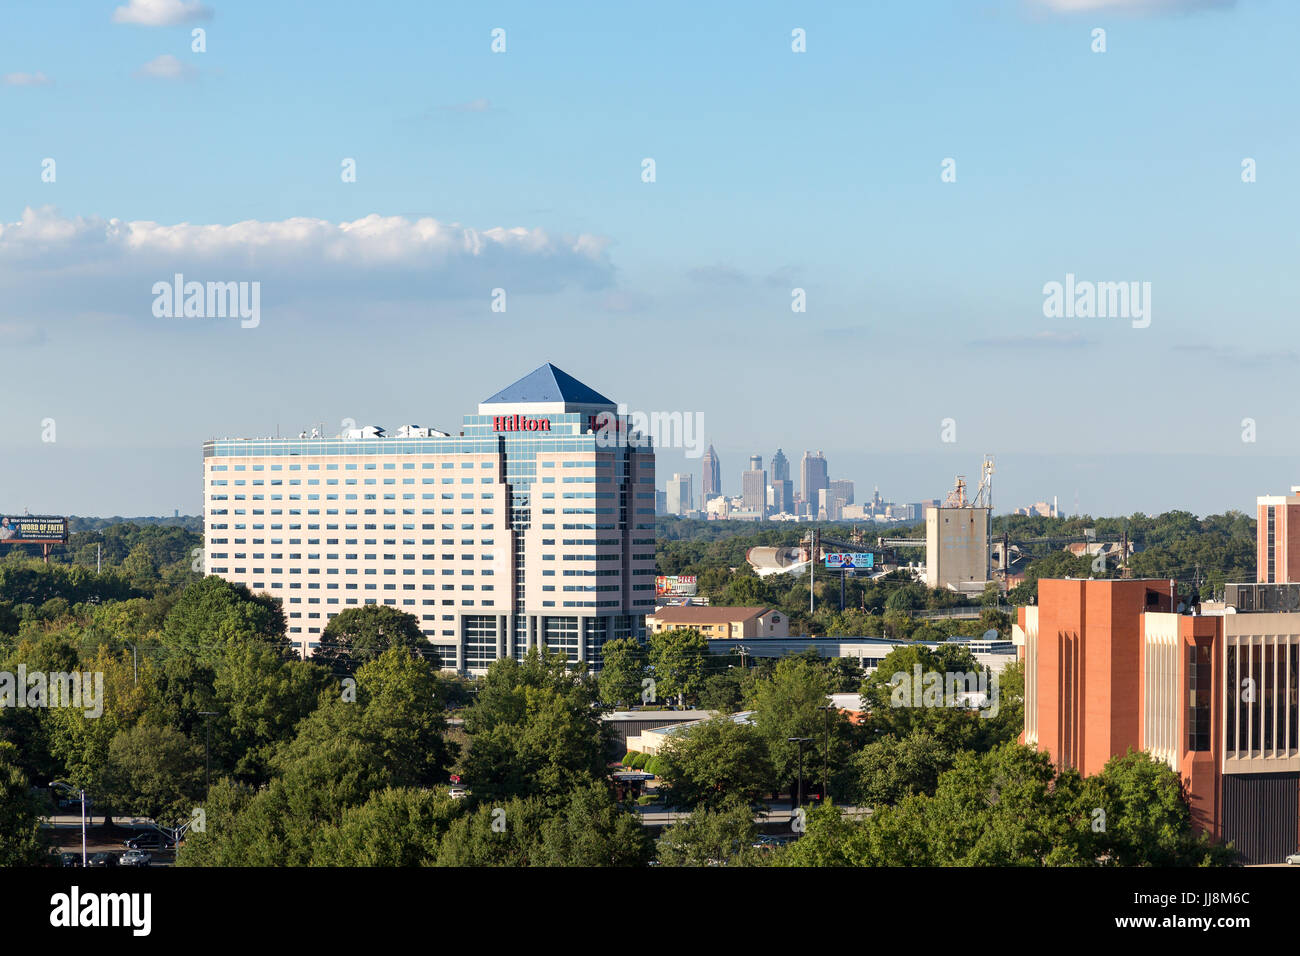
(458, 793)
(1294, 859)
(135, 858)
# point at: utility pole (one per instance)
(812, 569)
(207, 746)
(800, 741)
(826, 757)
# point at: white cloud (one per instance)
(393, 257)
(27, 79)
(166, 67)
(162, 13)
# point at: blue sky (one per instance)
(774, 170)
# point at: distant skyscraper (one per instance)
(829, 506)
(813, 476)
(678, 500)
(755, 462)
(780, 467)
(753, 487)
(712, 474)
(842, 488)
(783, 496)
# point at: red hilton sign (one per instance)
(520, 423)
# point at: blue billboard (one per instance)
(846, 561)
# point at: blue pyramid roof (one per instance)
(548, 384)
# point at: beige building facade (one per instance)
(533, 527)
(721, 622)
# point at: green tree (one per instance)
(23, 842)
(140, 570)
(396, 719)
(593, 830)
(360, 634)
(892, 768)
(80, 741)
(535, 730)
(506, 834)
(1144, 819)
(728, 688)
(708, 762)
(587, 829)
(908, 597)
(793, 702)
(1007, 724)
(182, 689)
(898, 705)
(830, 839)
(155, 772)
(258, 697)
(622, 673)
(677, 663)
(211, 613)
(395, 827)
(711, 837)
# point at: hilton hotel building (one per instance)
(532, 527)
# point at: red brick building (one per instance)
(1117, 664)
(1278, 538)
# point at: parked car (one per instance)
(102, 859)
(69, 859)
(150, 840)
(458, 793)
(1294, 859)
(136, 858)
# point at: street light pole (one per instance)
(800, 741)
(81, 791)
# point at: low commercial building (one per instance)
(867, 651)
(625, 725)
(737, 623)
(653, 741)
(1214, 692)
